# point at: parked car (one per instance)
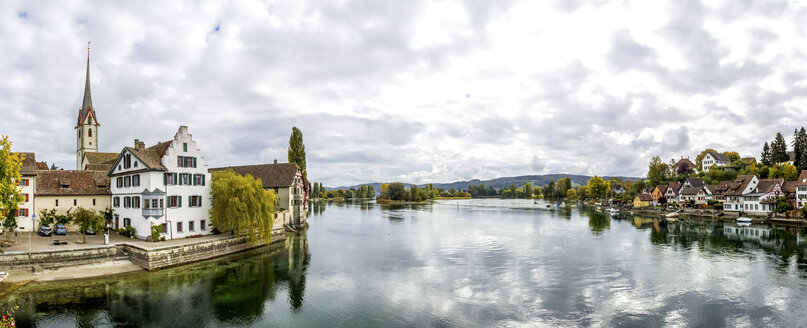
(60, 229)
(45, 231)
(89, 231)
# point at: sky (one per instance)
(412, 91)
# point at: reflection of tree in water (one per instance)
(317, 207)
(598, 222)
(231, 290)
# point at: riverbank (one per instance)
(712, 214)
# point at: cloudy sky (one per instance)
(413, 91)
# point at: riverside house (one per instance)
(762, 199)
(287, 181)
(63, 190)
(692, 196)
(166, 185)
(27, 186)
(642, 200)
(801, 189)
(658, 194)
(741, 186)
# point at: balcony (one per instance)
(153, 211)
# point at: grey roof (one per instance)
(690, 190)
(719, 156)
(271, 175)
(695, 182)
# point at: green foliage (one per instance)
(571, 194)
(65, 218)
(156, 230)
(108, 214)
(765, 156)
(597, 187)
(562, 186)
(47, 217)
(732, 155)
(779, 150)
(87, 218)
(10, 164)
(657, 171)
(129, 231)
(782, 205)
(10, 222)
(783, 171)
(241, 205)
(297, 149)
(396, 191)
(8, 320)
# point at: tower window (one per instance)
(89, 133)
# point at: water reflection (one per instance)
(598, 222)
(229, 291)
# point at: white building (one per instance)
(801, 189)
(166, 185)
(763, 198)
(741, 186)
(714, 158)
(27, 185)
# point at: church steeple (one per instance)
(87, 124)
(86, 106)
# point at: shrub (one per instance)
(129, 231)
(156, 230)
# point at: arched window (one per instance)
(89, 133)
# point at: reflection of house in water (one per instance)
(765, 235)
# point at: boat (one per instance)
(671, 215)
(743, 219)
(612, 211)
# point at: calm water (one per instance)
(467, 263)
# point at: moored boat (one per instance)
(743, 219)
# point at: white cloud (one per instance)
(420, 91)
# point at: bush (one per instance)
(156, 230)
(129, 231)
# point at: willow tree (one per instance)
(241, 205)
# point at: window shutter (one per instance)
(179, 201)
(26, 182)
(194, 162)
(203, 179)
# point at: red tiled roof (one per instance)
(71, 182)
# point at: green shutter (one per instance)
(175, 178)
(203, 179)
(190, 201)
(165, 179)
(194, 179)
(179, 199)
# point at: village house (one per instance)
(710, 192)
(692, 196)
(642, 200)
(67, 190)
(714, 158)
(719, 193)
(683, 165)
(166, 185)
(763, 198)
(27, 186)
(789, 188)
(658, 194)
(801, 189)
(286, 180)
(741, 186)
(671, 194)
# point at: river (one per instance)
(466, 263)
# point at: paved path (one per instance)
(39, 243)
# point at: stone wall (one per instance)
(167, 256)
(58, 258)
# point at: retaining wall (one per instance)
(58, 258)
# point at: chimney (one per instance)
(275, 161)
(139, 144)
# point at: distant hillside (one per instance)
(498, 183)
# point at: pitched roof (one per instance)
(644, 197)
(710, 188)
(28, 163)
(766, 185)
(723, 186)
(675, 186)
(739, 185)
(271, 175)
(94, 157)
(719, 156)
(661, 188)
(695, 182)
(690, 190)
(802, 181)
(749, 160)
(148, 156)
(42, 166)
(684, 161)
(789, 187)
(71, 182)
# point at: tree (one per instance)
(297, 149)
(597, 187)
(396, 191)
(46, 217)
(783, 171)
(527, 190)
(779, 150)
(108, 214)
(766, 154)
(241, 205)
(10, 195)
(699, 158)
(86, 218)
(732, 155)
(10, 222)
(571, 194)
(801, 144)
(657, 171)
(562, 186)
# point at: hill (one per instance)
(498, 183)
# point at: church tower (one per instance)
(87, 124)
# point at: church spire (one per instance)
(86, 105)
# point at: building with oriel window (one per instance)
(165, 185)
